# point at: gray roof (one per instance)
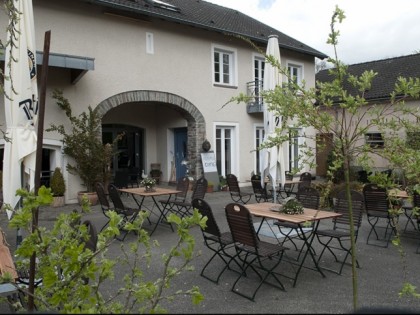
(209, 16)
(388, 71)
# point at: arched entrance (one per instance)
(189, 112)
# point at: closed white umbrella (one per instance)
(272, 159)
(21, 107)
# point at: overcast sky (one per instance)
(372, 29)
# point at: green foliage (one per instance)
(57, 183)
(329, 108)
(84, 144)
(292, 206)
(65, 263)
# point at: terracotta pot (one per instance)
(92, 196)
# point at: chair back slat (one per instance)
(205, 210)
(309, 197)
(241, 226)
(115, 196)
(342, 206)
(182, 185)
(376, 198)
(233, 184)
(200, 189)
(103, 199)
(256, 184)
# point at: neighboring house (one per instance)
(161, 71)
(388, 71)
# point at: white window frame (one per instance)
(258, 139)
(261, 62)
(235, 145)
(233, 71)
(300, 70)
(294, 161)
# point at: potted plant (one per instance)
(210, 186)
(58, 187)
(223, 183)
(83, 143)
(149, 184)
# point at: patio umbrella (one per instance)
(272, 159)
(21, 107)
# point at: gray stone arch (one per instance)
(195, 120)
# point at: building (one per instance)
(388, 71)
(161, 71)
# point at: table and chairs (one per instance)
(377, 204)
(268, 210)
(337, 237)
(139, 194)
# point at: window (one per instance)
(295, 140)
(224, 69)
(259, 137)
(296, 72)
(374, 140)
(149, 44)
(225, 149)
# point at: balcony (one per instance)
(255, 104)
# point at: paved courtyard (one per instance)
(380, 277)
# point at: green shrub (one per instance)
(57, 183)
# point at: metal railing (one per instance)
(255, 104)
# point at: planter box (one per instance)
(58, 201)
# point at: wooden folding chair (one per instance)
(235, 192)
(260, 256)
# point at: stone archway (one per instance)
(195, 120)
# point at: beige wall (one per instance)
(181, 64)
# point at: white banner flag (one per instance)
(21, 106)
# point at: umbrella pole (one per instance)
(38, 165)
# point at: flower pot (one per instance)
(209, 189)
(92, 196)
(58, 201)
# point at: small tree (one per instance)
(84, 144)
(330, 108)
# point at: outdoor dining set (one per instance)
(261, 235)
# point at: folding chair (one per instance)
(260, 192)
(340, 232)
(103, 201)
(183, 208)
(182, 185)
(262, 257)
(287, 189)
(128, 214)
(235, 192)
(218, 242)
(309, 197)
(377, 207)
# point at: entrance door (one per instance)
(180, 143)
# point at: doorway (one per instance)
(180, 146)
(324, 146)
(130, 148)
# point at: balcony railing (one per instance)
(255, 104)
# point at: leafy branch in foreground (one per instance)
(338, 108)
(73, 275)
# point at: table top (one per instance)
(262, 209)
(398, 193)
(141, 191)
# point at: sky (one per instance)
(372, 29)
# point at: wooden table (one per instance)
(263, 210)
(141, 192)
(402, 194)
